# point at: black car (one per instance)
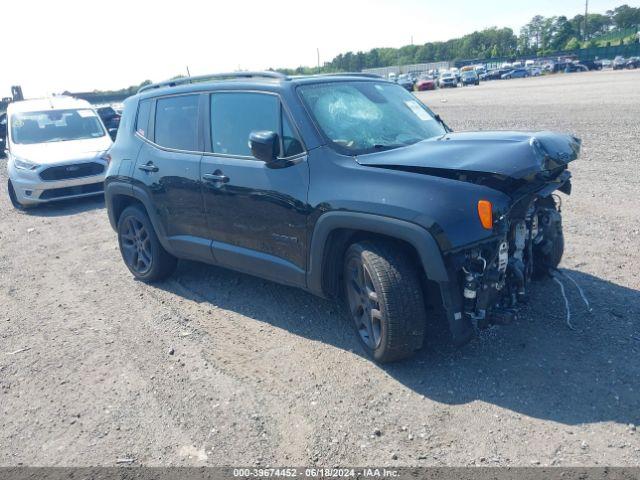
(503, 71)
(345, 186)
(516, 73)
(110, 117)
(493, 74)
(633, 62)
(619, 63)
(559, 66)
(575, 67)
(406, 82)
(469, 77)
(592, 64)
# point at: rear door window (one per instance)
(176, 122)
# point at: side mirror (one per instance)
(264, 145)
(113, 133)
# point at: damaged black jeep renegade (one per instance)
(343, 185)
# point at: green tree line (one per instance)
(539, 36)
(546, 34)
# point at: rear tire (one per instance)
(141, 250)
(385, 301)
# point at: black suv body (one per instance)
(345, 186)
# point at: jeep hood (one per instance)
(502, 160)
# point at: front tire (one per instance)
(385, 300)
(547, 255)
(141, 250)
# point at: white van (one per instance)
(56, 148)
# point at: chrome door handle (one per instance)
(214, 177)
(148, 167)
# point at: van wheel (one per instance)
(385, 301)
(141, 250)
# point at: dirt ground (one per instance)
(217, 368)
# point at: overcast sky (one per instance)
(52, 46)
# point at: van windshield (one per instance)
(365, 117)
(55, 126)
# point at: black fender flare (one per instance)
(415, 235)
(121, 188)
(112, 189)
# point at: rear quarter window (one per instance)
(142, 119)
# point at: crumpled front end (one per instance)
(490, 261)
(491, 279)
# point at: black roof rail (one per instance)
(354, 74)
(214, 76)
(341, 74)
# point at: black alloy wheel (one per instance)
(384, 299)
(136, 246)
(363, 303)
(142, 252)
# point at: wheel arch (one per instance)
(119, 195)
(335, 231)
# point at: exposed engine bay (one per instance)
(494, 276)
(492, 258)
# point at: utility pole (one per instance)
(318, 53)
(586, 15)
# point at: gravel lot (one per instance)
(218, 368)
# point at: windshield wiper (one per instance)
(380, 146)
(441, 122)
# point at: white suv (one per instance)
(56, 148)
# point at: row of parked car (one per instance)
(474, 74)
(621, 63)
(436, 79)
(454, 77)
(572, 65)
